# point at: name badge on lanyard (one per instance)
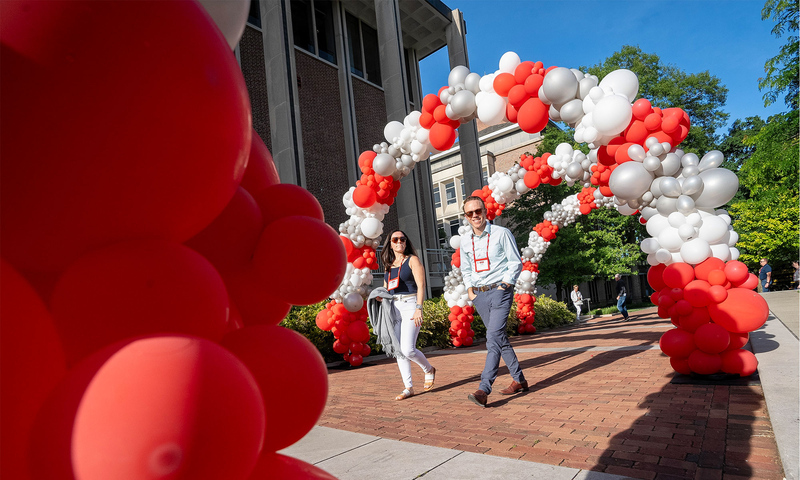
(394, 282)
(481, 264)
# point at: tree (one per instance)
(737, 145)
(782, 69)
(701, 95)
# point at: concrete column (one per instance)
(284, 108)
(397, 97)
(468, 132)
(346, 94)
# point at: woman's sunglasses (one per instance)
(398, 239)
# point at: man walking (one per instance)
(490, 265)
(765, 275)
(622, 293)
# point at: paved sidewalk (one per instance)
(601, 404)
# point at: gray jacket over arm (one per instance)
(381, 318)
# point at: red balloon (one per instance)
(260, 172)
(717, 293)
(503, 82)
(457, 342)
(274, 466)
(152, 408)
(517, 95)
(739, 361)
(468, 341)
(356, 360)
(532, 179)
(154, 150)
(642, 108)
(717, 277)
(322, 320)
(358, 331)
(711, 338)
(751, 283)
(697, 293)
(698, 317)
(738, 340)
(705, 363)
(533, 116)
(736, 272)
(278, 356)
(680, 365)
(677, 275)
(33, 364)
(229, 241)
(702, 269)
(253, 298)
(287, 200)
(677, 343)
(291, 247)
(442, 137)
(339, 347)
(364, 197)
(743, 311)
(654, 276)
(138, 288)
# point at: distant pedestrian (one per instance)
(765, 275)
(577, 301)
(796, 275)
(490, 264)
(622, 292)
(404, 290)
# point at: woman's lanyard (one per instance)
(395, 282)
(481, 264)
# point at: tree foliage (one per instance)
(782, 69)
(701, 95)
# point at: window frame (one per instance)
(447, 187)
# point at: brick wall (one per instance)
(252, 55)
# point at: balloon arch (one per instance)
(633, 165)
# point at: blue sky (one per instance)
(725, 37)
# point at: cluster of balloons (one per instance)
(461, 331)
(348, 322)
(714, 308)
(149, 252)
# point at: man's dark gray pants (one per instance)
(493, 306)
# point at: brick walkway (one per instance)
(600, 400)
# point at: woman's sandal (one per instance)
(429, 378)
(408, 392)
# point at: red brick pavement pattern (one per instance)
(610, 410)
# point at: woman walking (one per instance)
(405, 281)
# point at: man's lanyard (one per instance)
(395, 282)
(481, 264)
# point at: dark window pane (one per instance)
(372, 59)
(254, 16)
(325, 41)
(354, 46)
(437, 198)
(301, 25)
(450, 192)
(408, 56)
(454, 224)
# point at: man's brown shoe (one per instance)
(479, 398)
(514, 388)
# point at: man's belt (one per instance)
(486, 288)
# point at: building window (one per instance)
(450, 192)
(437, 198)
(486, 177)
(454, 224)
(314, 33)
(362, 46)
(463, 190)
(254, 16)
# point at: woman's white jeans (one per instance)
(407, 332)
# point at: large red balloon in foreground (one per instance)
(120, 120)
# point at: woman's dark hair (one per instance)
(387, 254)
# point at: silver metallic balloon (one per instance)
(690, 171)
(671, 164)
(690, 160)
(692, 185)
(719, 187)
(666, 205)
(685, 204)
(651, 163)
(630, 180)
(710, 160)
(669, 186)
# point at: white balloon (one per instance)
(487, 83)
(663, 256)
(670, 239)
(455, 242)
(656, 224)
(622, 82)
(695, 251)
(734, 253)
(686, 232)
(650, 245)
(492, 109)
(371, 227)
(676, 219)
(509, 61)
(612, 114)
(392, 130)
(713, 229)
(230, 17)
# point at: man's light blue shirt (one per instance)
(505, 263)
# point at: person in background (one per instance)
(765, 275)
(577, 301)
(796, 275)
(490, 265)
(622, 292)
(405, 280)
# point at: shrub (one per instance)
(550, 313)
